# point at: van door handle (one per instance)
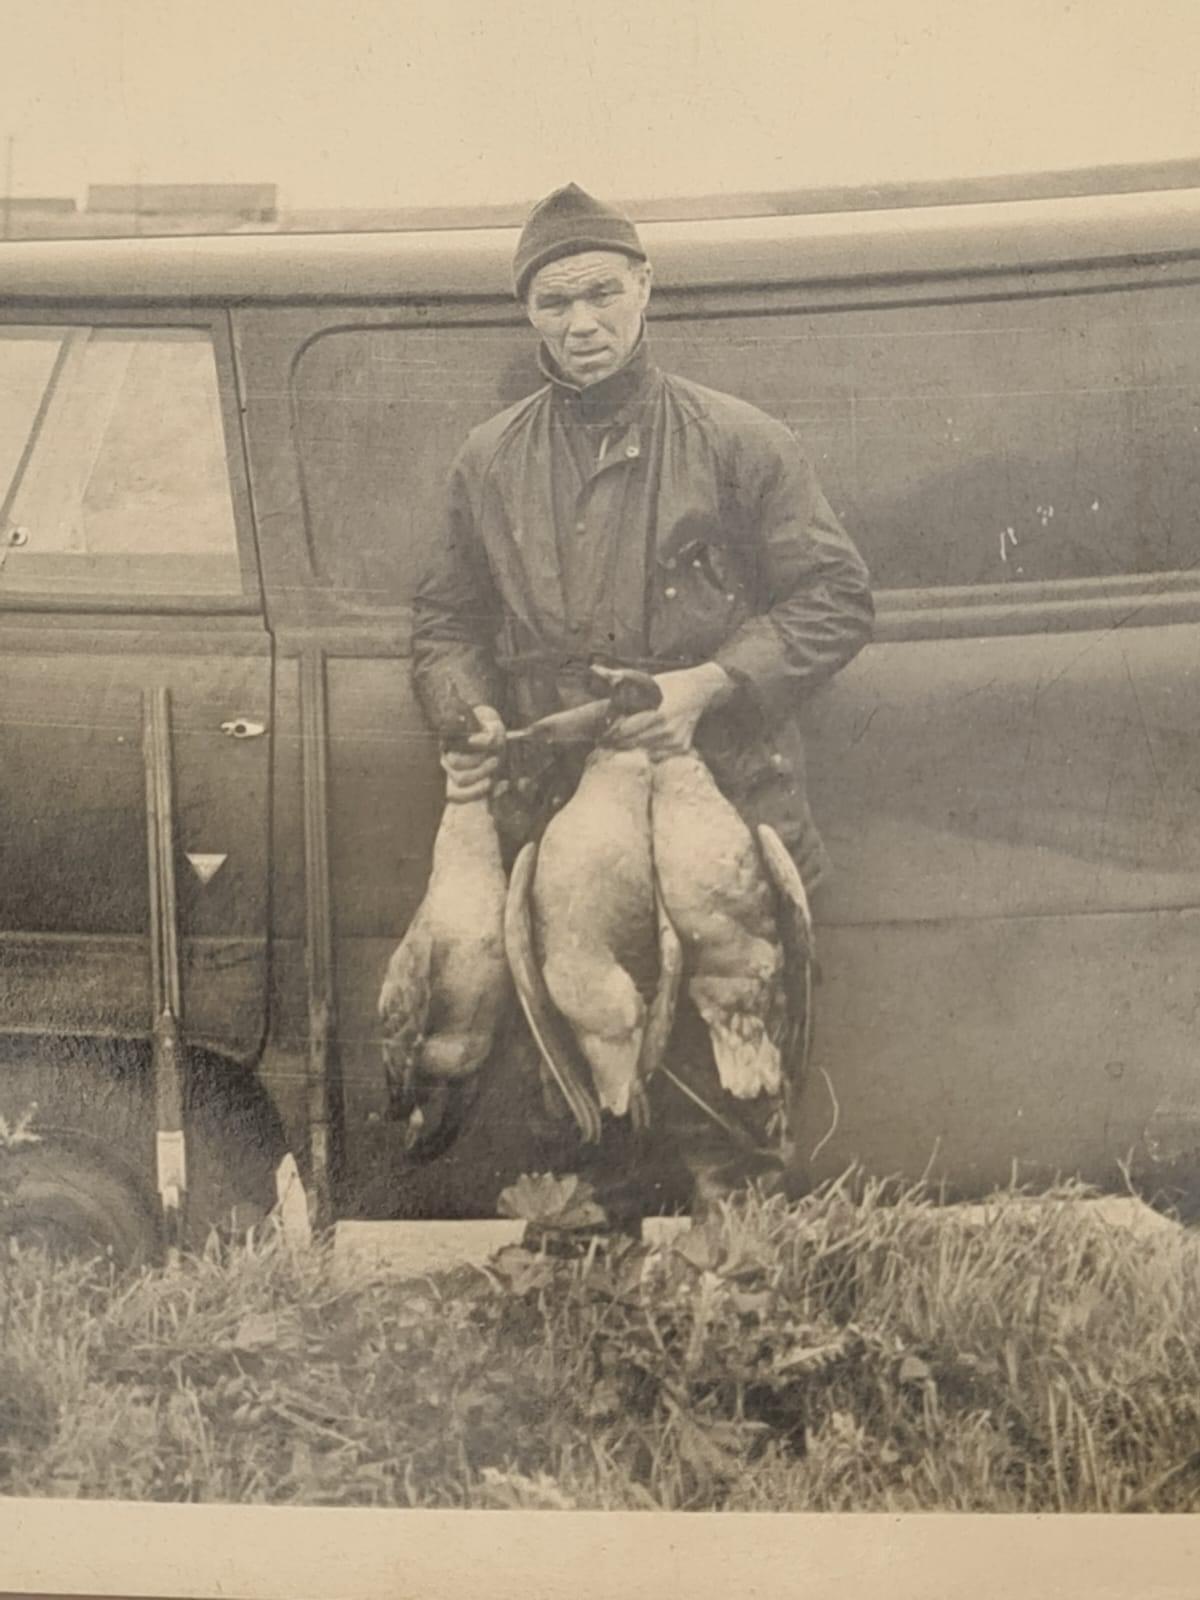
(243, 728)
(14, 539)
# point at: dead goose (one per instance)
(737, 902)
(446, 988)
(594, 958)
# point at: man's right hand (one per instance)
(470, 773)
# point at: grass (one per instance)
(865, 1353)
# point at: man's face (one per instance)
(588, 310)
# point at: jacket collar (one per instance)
(603, 401)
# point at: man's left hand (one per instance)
(668, 729)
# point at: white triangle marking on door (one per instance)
(206, 866)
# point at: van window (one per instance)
(112, 463)
(381, 414)
(996, 442)
(985, 442)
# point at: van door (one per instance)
(135, 677)
(377, 403)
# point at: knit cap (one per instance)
(566, 223)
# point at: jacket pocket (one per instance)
(705, 561)
(697, 599)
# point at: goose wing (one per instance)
(660, 1016)
(405, 1001)
(796, 935)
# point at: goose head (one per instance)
(629, 691)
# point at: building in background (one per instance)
(172, 202)
(115, 210)
(35, 216)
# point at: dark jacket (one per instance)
(721, 547)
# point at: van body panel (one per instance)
(98, 985)
(1054, 1046)
(385, 801)
(74, 889)
(1015, 776)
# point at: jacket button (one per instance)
(780, 763)
(670, 593)
(631, 450)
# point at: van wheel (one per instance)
(74, 1205)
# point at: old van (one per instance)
(221, 462)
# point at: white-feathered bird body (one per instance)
(444, 994)
(595, 920)
(720, 899)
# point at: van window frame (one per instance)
(936, 612)
(215, 323)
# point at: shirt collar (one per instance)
(601, 402)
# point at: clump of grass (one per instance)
(865, 1352)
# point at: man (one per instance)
(624, 515)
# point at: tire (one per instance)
(72, 1203)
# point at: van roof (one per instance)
(934, 241)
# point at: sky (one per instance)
(457, 102)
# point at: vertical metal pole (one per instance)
(314, 723)
(166, 985)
